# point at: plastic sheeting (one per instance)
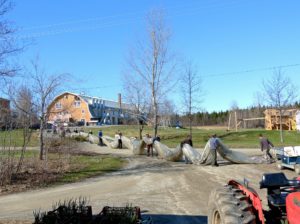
(195, 156)
(205, 158)
(110, 142)
(236, 157)
(166, 153)
(93, 139)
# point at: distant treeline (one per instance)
(222, 117)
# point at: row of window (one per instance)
(58, 105)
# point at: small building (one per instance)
(74, 108)
(272, 119)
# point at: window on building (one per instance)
(58, 105)
(77, 103)
(82, 111)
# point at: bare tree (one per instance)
(7, 44)
(23, 103)
(135, 96)
(152, 62)
(279, 92)
(192, 92)
(45, 87)
(166, 112)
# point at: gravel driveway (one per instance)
(167, 191)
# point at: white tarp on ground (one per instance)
(93, 139)
(110, 142)
(166, 153)
(138, 147)
(205, 158)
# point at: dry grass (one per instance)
(64, 163)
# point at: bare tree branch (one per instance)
(279, 92)
(150, 62)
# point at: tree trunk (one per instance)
(280, 126)
(155, 124)
(141, 127)
(24, 146)
(190, 106)
(190, 123)
(155, 112)
(42, 144)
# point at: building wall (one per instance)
(68, 107)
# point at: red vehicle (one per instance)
(238, 203)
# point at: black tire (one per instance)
(227, 205)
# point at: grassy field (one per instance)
(15, 138)
(244, 138)
(87, 166)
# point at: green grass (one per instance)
(244, 138)
(17, 153)
(88, 166)
(15, 138)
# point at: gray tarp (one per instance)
(110, 142)
(166, 153)
(205, 158)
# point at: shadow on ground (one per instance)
(176, 219)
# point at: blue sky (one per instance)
(89, 39)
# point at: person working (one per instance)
(213, 144)
(100, 134)
(157, 138)
(149, 143)
(188, 141)
(120, 145)
(266, 145)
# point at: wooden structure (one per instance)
(272, 119)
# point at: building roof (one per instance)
(3, 99)
(97, 104)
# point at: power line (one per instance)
(251, 70)
(121, 20)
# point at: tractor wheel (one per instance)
(297, 169)
(228, 205)
(279, 165)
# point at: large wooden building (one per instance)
(72, 107)
(289, 117)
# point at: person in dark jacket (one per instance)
(157, 138)
(188, 141)
(266, 145)
(120, 145)
(100, 134)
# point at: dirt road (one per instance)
(169, 192)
